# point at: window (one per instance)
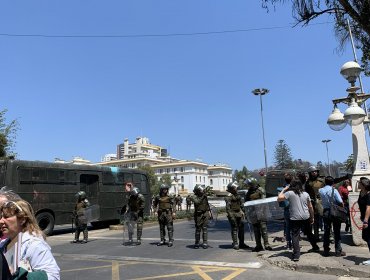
(211, 182)
(182, 169)
(182, 179)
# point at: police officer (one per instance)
(312, 186)
(201, 215)
(166, 209)
(235, 215)
(135, 211)
(80, 218)
(188, 203)
(260, 227)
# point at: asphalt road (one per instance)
(107, 255)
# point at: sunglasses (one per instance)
(9, 209)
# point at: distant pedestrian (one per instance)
(179, 202)
(301, 215)
(344, 193)
(188, 203)
(330, 195)
(364, 205)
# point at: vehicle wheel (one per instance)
(46, 222)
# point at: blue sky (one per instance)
(78, 96)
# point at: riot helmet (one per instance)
(135, 191)
(198, 189)
(251, 182)
(232, 187)
(164, 186)
(312, 168)
(81, 195)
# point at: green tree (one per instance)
(356, 11)
(282, 155)
(350, 163)
(7, 136)
(152, 178)
(166, 179)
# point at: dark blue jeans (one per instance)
(328, 221)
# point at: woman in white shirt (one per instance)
(19, 225)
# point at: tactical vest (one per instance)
(201, 204)
(136, 203)
(257, 194)
(315, 186)
(235, 201)
(165, 202)
(80, 207)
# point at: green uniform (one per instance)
(312, 187)
(166, 206)
(81, 220)
(136, 204)
(235, 215)
(188, 203)
(260, 227)
(201, 217)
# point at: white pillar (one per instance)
(362, 169)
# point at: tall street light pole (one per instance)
(355, 116)
(260, 92)
(326, 141)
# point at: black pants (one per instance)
(296, 226)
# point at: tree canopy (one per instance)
(7, 136)
(356, 11)
(283, 156)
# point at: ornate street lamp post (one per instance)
(355, 116)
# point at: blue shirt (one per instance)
(325, 194)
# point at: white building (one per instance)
(109, 157)
(185, 174)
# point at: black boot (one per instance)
(77, 237)
(86, 235)
(139, 233)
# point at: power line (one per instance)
(154, 35)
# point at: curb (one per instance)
(317, 269)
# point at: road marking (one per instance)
(201, 273)
(197, 270)
(115, 270)
(169, 261)
(86, 268)
(234, 274)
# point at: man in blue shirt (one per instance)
(328, 195)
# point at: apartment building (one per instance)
(185, 174)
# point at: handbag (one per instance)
(337, 212)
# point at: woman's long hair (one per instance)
(28, 219)
(296, 187)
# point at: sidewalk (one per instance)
(349, 265)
